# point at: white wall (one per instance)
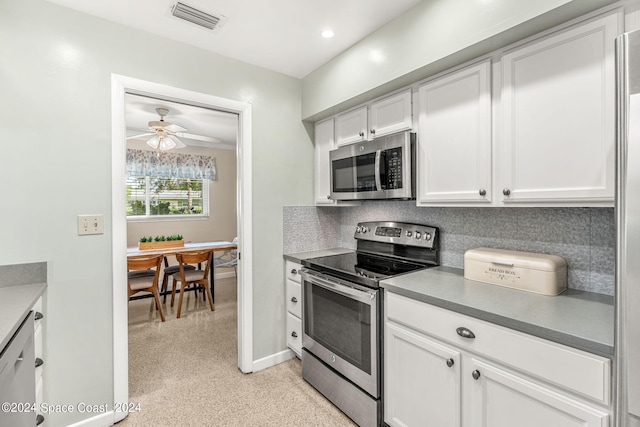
(429, 38)
(55, 94)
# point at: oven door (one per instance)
(340, 327)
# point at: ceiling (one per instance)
(280, 35)
(140, 110)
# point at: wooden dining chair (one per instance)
(143, 274)
(168, 272)
(199, 276)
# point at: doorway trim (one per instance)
(121, 85)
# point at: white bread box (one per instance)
(540, 273)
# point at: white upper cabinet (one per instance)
(557, 125)
(454, 137)
(390, 115)
(351, 126)
(324, 142)
(378, 118)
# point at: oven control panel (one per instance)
(400, 233)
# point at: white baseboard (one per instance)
(103, 420)
(273, 360)
(224, 275)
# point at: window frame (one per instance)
(206, 208)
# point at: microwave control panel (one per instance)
(392, 159)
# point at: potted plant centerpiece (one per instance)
(161, 242)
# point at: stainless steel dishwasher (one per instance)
(17, 371)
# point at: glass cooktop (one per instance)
(362, 267)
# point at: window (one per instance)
(155, 197)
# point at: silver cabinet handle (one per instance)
(450, 362)
(373, 131)
(38, 316)
(361, 134)
(39, 419)
(465, 333)
(506, 192)
(294, 271)
(328, 196)
(482, 192)
(476, 375)
(294, 299)
(294, 334)
(39, 362)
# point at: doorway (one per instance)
(121, 86)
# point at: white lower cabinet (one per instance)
(422, 380)
(498, 398)
(294, 307)
(435, 376)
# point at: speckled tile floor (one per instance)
(183, 372)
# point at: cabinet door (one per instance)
(351, 126)
(454, 138)
(558, 116)
(392, 114)
(422, 380)
(294, 334)
(497, 398)
(324, 143)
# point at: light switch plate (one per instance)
(90, 224)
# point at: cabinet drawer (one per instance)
(294, 298)
(293, 271)
(581, 372)
(294, 334)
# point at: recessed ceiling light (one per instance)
(327, 34)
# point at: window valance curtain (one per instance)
(170, 165)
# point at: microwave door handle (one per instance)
(377, 170)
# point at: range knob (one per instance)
(427, 236)
(418, 235)
(409, 233)
(364, 229)
(358, 229)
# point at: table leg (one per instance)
(211, 281)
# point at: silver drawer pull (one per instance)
(294, 299)
(465, 333)
(39, 362)
(450, 362)
(294, 271)
(476, 375)
(294, 334)
(38, 316)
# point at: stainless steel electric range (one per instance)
(342, 312)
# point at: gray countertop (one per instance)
(579, 319)
(15, 303)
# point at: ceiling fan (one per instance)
(165, 134)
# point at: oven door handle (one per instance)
(363, 296)
(377, 170)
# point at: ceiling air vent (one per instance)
(195, 16)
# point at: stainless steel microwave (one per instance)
(380, 169)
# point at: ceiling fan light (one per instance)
(166, 144)
(153, 142)
(179, 144)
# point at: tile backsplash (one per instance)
(585, 237)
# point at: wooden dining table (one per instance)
(133, 251)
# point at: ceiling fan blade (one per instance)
(174, 128)
(195, 137)
(140, 136)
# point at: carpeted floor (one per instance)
(183, 372)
